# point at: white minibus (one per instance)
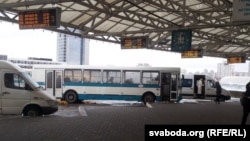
(190, 88)
(21, 95)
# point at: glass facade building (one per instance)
(72, 50)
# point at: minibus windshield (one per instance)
(28, 78)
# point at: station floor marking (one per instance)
(149, 105)
(82, 111)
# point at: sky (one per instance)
(40, 43)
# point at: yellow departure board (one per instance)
(134, 42)
(239, 59)
(192, 53)
(39, 18)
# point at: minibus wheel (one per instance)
(32, 111)
(148, 98)
(70, 97)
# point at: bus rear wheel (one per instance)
(148, 98)
(71, 97)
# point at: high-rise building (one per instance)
(223, 69)
(249, 68)
(72, 50)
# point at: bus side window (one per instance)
(111, 76)
(128, 81)
(66, 79)
(150, 77)
(58, 81)
(132, 77)
(84, 79)
(86, 76)
(72, 75)
(111, 80)
(92, 76)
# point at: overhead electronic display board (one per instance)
(238, 59)
(134, 42)
(39, 18)
(181, 40)
(241, 11)
(198, 53)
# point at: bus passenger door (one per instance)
(54, 82)
(165, 86)
(174, 87)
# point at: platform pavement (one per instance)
(104, 122)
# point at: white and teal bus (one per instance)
(75, 83)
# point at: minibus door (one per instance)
(210, 88)
(54, 82)
(15, 92)
(165, 86)
(199, 86)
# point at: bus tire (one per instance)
(148, 98)
(32, 111)
(71, 97)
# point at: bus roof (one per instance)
(104, 67)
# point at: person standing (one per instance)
(218, 92)
(199, 85)
(246, 105)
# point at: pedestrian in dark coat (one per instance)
(246, 104)
(218, 92)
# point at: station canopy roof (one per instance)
(109, 20)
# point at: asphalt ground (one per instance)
(116, 122)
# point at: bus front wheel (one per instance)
(71, 97)
(148, 98)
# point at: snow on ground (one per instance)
(137, 103)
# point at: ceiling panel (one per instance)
(108, 20)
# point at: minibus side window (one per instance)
(186, 82)
(15, 81)
(211, 84)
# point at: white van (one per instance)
(20, 94)
(190, 88)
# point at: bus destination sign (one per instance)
(39, 18)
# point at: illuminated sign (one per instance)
(239, 59)
(39, 18)
(192, 53)
(134, 42)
